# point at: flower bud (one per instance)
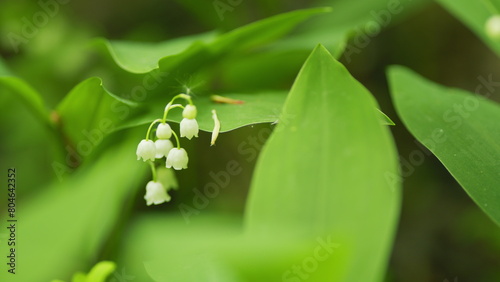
(163, 131)
(177, 158)
(189, 111)
(146, 150)
(155, 193)
(189, 128)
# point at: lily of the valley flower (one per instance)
(189, 125)
(146, 150)
(189, 128)
(163, 146)
(155, 193)
(163, 131)
(177, 158)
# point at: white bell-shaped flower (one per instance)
(492, 27)
(146, 150)
(189, 128)
(155, 193)
(163, 146)
(177, 158)
(163, 131)
(189, 111)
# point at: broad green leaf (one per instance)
(163, 239)
(27, 126)
(248, 37)
(61, 230)
(142, 57)
(256, 108)
(459, 128)
(29, 96)
(307, 180)
(263, 31)
(262, 107)
(474, 14)
(210, 248)
(193, 50)
(89, 112)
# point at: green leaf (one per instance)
(261, 107)
(282, 58)
(263, 31)
(158, 245)
(75, 217)
(98, 273)
(30, 127)
(307, 179)
(143, 57)
(384, 119)
(474, 14)
(101, 271)
(193, 50)
(249, 36)
(90, 112)
(29, 96)
(256, 108)
(460, 128)
(210, 248)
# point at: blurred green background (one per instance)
(442, 234)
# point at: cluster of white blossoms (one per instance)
(176, 157)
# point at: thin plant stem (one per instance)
(151, 127)
(182, 96)
(168, 108)
(153, 170)
(176, 139)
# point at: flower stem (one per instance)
(177, 139)
(182, 96)
(168, 108)
(153, 170)
(151, 127)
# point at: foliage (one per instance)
(322, 202)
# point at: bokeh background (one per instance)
(442, 234)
